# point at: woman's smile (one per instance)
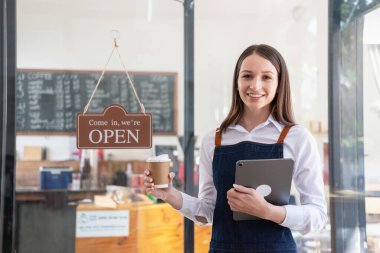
(255, 96)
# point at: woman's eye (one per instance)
(267, 77)
(246, 76)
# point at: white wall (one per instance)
(371, 120)
(77, 35)
(371, 94)
(298, 29)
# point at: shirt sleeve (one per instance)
(311, 215)
(201, 209)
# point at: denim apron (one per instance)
(251, 235)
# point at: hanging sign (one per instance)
(114, 128)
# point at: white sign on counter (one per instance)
(102, 223)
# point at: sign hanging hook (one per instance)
(116, 37)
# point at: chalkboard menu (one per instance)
(48, 100)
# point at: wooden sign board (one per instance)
(115, 128)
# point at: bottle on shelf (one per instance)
(120, 177)
(86, 174)
(129, 174)
(100, 154)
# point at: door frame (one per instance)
(343, 16)
(7, 112)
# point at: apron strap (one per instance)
(218, 138)
(283, 134)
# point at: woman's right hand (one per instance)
(160, 193)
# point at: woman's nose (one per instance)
(255, 84)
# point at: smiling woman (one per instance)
(260, 125)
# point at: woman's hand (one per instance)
(248, 200)
(160, 193)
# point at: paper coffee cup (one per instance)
(159, 167)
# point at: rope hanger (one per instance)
(115, 48)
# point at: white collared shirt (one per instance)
(299, 145)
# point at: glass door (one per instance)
(354, 119)
(70, 200)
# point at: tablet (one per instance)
(272, 178)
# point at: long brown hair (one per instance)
(281, 106)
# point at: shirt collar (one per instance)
(277, 124)
(270, 120)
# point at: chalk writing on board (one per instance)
(48, 100)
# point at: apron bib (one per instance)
(252, 235)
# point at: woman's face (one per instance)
(257, 83)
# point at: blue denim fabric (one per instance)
(244, 236)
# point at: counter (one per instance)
(153, 228)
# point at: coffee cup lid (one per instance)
(160, 158)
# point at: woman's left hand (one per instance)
(248, 200)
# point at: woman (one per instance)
(260, 125)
